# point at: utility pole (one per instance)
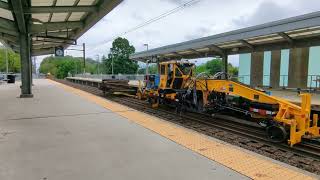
(35, 65)
(98, 64)
(7, 63)
(147, 62)
(112, 65)
(84, 57)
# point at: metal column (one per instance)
(26, 70)
(225, 64)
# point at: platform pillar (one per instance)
(275, 69)
(256, 77)
(225, 64)
(298, 68)
(26, 70)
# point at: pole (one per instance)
(7, 63)
(112, 65)
(25, 59)
(84, 57)
(98, 64)
(147, 62)
(147, 67)
(225, 65)
(35, 65)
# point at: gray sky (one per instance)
(207, 17)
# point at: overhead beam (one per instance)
(196, 52)
(64, 34)
(9, 31)
(104, 8)
(45, 51)
(245, 43)
(286, 37)
(177, 54)
(76, 2)
(54, 26)
(44, 46)
(298, 43)
(54, 3)
(4, 5)
(7, 24)
(19, 15)
(10, 38)
(216, 49)
(60, 9)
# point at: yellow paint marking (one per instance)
(243, 162)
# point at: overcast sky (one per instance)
(204, 18)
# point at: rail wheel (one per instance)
(277, 133)
(139, 95)
(154, 102)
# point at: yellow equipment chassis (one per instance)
(289, 115)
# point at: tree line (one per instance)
(14, 65)
(210, 67)
(117, 62)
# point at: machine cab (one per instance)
(173, 74)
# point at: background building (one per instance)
(289, 68)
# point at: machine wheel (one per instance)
(277, 133)
(154, 102)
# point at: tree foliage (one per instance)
(119, 55)
(153, 69)
(61, 67)
(214, 66)
(14, 65)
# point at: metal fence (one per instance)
(109, 76)
(313, 81)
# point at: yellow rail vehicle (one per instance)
(178, 86)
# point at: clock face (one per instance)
(59, 52)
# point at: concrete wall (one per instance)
(286, 68)
(275, 69)
(256, 75)
(298, 68)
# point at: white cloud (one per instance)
(207, 17)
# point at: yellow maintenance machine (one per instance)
(178, 86)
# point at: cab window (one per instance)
(177, 72)
(163, 69)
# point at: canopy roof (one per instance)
(300, 31)
(50, 23)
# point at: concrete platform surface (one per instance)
(59, 135)
(294, 96)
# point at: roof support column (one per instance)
(26, 70)
(225, 64)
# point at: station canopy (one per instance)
(300, 31)
(50, 23)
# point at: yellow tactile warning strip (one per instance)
(243, 162)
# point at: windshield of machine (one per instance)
(186, 69)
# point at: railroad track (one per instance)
(246, 135)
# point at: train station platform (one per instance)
(65, 133)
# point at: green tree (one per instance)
(119, 55)
(214, 66)
(153, 69)
(60, 67)
(64, 68)
(13, 61)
